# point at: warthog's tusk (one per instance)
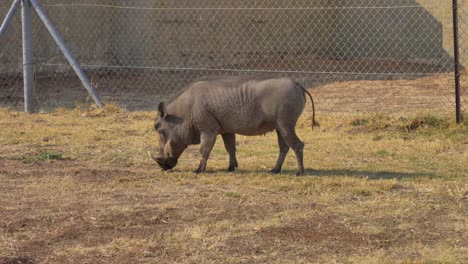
(151, 156)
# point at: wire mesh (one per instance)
(11, 59)
(357, 55)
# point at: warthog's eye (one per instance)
(157, 125)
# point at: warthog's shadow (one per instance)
(375, 175)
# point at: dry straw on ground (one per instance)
(78, 186)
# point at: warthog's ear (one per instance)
(162, 110)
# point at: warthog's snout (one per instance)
(166, 163)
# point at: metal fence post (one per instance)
(58, 39)
(27, 57)
(9, 16)
(456, 56)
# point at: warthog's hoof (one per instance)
(232, 168)
(299, 173)
(199, 170)
(275, 171)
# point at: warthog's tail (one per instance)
(314, 122)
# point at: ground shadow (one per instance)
(374, 175)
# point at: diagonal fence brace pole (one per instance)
(9, 16)
(58, 39)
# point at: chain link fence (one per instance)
(392, 56)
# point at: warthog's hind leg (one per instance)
(283, 151)
(291, 139)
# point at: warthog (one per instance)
(229, 106)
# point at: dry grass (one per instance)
(378, 189)
(421, 95)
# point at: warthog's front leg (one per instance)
(207, 141)
(230, 145)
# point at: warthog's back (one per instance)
(245, 105)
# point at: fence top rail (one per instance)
(247, 8)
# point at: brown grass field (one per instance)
(77, 186)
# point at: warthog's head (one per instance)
(171, 146)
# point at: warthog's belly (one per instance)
(254, 128)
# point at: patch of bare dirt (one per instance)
(309, 238)
(51, 206)
(314, 231)
(16, 260)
